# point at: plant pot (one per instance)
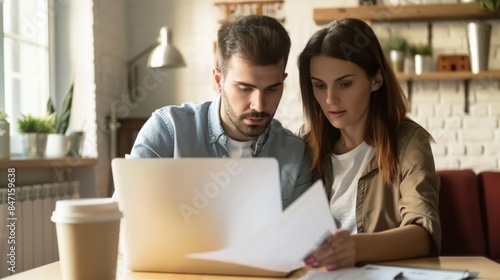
(58, 146)
(76, 143)
(397, 60)
(367, 2)
(34, 144)
(423, 63)
(478, 39)
(4, 140)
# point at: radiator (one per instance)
(34, 234)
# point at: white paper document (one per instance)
(284, 244)
(370, 272)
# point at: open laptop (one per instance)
(174, 207)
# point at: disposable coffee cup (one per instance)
(87, 236)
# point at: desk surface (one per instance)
(487, 269)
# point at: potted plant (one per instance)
(34, 131)
(4, 136)
(423, 57)
(492, 5)
(397, 49)
(62, 120)
(58, 143)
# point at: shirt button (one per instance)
(223, 137)
(212, 138)
(224, 156)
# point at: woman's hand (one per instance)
(337, 251)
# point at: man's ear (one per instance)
(217, 75)
(378, 81)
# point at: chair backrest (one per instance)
(460, 212)
(490, 195)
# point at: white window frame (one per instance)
(2, 87)
(50, 60)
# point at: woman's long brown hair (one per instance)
(353, 40)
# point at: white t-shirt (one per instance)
(236, 149)
(347, 169)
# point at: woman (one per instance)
(376, 163)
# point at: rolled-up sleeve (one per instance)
(419, 203)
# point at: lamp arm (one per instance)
(145, 51)
(132, 73)
(113, 124)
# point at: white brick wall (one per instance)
(463, 140)
(110, 48)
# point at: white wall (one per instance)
(463, 141)
(110, 46)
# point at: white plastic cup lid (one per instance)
(86, 210)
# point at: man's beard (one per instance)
(250, 131)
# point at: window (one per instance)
(26, 58)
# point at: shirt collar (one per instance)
(215, 129)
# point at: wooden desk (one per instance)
(487, 269)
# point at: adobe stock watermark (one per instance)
(362, 38)
(139, 93)
(203, 195)
(41, 17)
(11, 220)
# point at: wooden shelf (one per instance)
(46, 163)
(466, 77)
(432, 12)
(488, 75)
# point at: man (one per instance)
(252, 54)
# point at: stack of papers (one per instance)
(370, 272)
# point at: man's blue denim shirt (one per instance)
(192, 130)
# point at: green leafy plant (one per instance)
(397, 44)
(31, 124)
(492, 5)
(3, 116)
(61, 120)
(423, 49)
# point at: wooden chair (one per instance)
(127, 132)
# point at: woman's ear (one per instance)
(378, 81)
